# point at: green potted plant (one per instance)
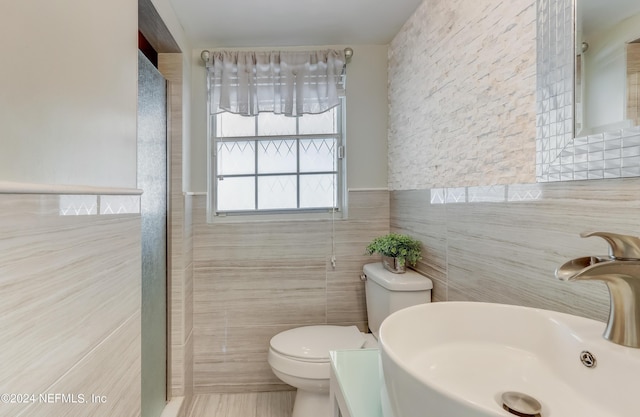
(397, 251)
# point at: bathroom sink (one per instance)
(457, 359)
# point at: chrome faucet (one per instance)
(621, 272)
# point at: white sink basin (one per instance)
(456, 359)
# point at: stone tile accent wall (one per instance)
(462, 95)
(253, 280)
(70, 311)
(633, 82)
(505, 250)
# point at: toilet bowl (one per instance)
(300, 356)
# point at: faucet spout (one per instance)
(622, 276)
(582, 268)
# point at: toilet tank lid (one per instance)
(313, 343)
(409, 281)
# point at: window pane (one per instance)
(277, 156)
(277, 192)
(236, 158)
(326, 122)
(318, 190)
(270, 124)
(317, 155)
(276, 163)
(230, 125)
(236, 194)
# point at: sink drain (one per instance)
(521, 405)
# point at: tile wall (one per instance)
(254, 280)
(70, 285)
(502, 243)
(180, 286)
(462, 95)
(633, 82)
(612, 154)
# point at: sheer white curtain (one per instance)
(290, 83)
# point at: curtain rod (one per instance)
(204, 55)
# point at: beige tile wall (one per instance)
(507, 251)
(70, 311)
(180, 295)
(254, 280)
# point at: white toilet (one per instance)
(300, 356)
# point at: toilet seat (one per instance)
(313, 343)
(298, 368)
(304, 351)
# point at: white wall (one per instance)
(69, 88)
(367, 115)
(606, 74)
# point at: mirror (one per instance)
(607, 65)
(589, 93)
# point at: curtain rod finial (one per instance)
(204, 55)
(348, 53)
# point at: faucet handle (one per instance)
(622, 247)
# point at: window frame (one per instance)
(339, 212)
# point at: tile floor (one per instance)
(254, 404)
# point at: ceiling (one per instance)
(598, 15)
(264, 23)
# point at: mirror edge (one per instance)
(560, 156)
(555, 63)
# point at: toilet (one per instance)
(300, 356)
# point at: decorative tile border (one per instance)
(82, 200)
(524, 192)
(488, 194)
(119, 204)
(456, 195)
(438, 195)
(88, 205)
(78, 205)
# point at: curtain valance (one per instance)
(290, 83)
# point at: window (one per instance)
(274, 164)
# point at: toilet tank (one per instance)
(387, 292)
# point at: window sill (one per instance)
(279, 217)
